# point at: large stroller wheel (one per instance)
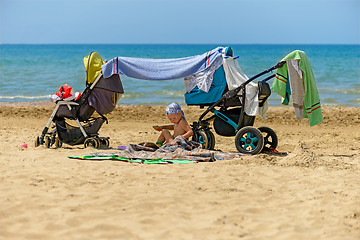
(270, 138)
(249, 140)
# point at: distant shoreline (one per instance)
(51, 104)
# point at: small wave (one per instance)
(167, 92)
(355, 101)
(24, 97)
(341, 91)
(154, 94)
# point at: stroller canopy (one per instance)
(92, 64)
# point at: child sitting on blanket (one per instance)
(180, 125)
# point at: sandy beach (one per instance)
(312, 193)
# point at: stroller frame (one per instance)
(247, 138)
(49, 138)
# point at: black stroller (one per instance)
(100, 95)
(230, 119)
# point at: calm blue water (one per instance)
(32, 72)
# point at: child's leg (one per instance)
(165, 136)
(168, 136)
(161, 138)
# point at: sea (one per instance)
(30, 73)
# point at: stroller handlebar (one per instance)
(279, 64)
(232, 93)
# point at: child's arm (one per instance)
(160, 128)
(188, 131)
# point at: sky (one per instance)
(180, 21)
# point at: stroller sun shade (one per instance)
(106, 92)
(92, 64)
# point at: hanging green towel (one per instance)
(281, 85)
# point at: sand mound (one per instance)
(302, 156)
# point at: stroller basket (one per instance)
(224, 128)
(72, 135)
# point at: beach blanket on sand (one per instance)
(180, 150)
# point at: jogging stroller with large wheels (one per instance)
(228, 98)
(101, 95)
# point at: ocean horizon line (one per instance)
(203, 44)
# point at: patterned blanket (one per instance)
(176, 151)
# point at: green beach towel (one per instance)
(281, 85)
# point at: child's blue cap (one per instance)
(174, 108)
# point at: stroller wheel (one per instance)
(249, 140)
(37, 141)
(52, 139)
(47, 142)
(58, 143)
(107, 142)
(270, 138)
(91, 142)
(103, 142)
(211, 139)
(201, 137)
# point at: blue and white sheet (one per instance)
(161, 69)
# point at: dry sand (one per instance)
(312, 193)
